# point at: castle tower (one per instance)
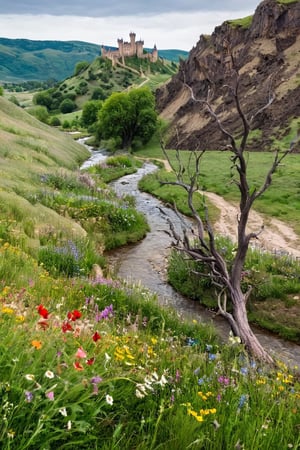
(132, 44)
(121, 49)
(154, 54)
(139, 48)
(103, 51)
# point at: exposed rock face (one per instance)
(267, 56)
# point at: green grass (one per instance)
(274, 302)
(282, 198)
(244, 23)
(287, 2)
(98, 364)
(87, 361)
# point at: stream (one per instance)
(145, 263)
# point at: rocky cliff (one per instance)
(265, 50)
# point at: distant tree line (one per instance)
(29, 85)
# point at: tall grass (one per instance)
(98, 364)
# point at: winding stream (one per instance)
(145, 263)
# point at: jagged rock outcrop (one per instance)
(266, 52)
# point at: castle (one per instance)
(132, 48)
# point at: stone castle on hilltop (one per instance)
(132, 48)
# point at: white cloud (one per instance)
(173, 30)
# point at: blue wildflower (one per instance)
(191, 342)
(242, 401)
(212, 356)
(244, 370)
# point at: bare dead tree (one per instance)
(202, 245)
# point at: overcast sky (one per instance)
(166, 23)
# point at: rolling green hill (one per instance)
(97, 81)
(22, 59)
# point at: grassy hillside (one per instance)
(29, 150)
(99, 79)
(23, 59)
(46, 200)
(88, 361)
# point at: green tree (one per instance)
(129, 117)
(80, 67)
(98, 94)
(43, 99)
(1, 90)
(67, 106)
(90, 112)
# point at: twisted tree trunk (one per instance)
(228, 282)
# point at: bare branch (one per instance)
(267, 105)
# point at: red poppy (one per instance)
(96, 336)
(66, 326)
(78, 366)
(43, 311)
(90, 361)
(74, 315)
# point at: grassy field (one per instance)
(87, 361)
(282, 199)
(274, 301)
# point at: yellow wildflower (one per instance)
(20, 318)
(7, 310)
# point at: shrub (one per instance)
(54, 121)
(67, 106)
(40, 112)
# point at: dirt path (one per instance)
(276, 236)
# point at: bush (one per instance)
(67, 106)
(54, 121)
(66, 124)
(40, 112)
(81, 66)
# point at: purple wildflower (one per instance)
(96, 380)
(28, 396)
(224, 380)
(105, 314)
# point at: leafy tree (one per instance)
(90, 112)
(43, 99)
(128, 116)
(80, 67)
(98, 94)
(1, 91)
(67, 106)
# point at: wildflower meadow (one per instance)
(97, 364)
